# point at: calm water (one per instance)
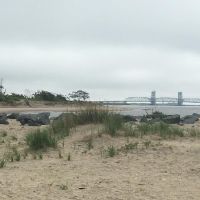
(138, 110)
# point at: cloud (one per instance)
(111, 48)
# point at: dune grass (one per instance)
(40, 139)
(160, 128)
(112, 123)
(61, 126)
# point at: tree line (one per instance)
(43, 95)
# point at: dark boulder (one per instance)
(196, 115)
(13, 116)
(172, 119)
(189, 119)
(129, 118)
(3, 118)
(34, 119)
(157, 115)
(160, 117)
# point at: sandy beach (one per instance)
(168, 169)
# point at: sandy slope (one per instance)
(166, 170)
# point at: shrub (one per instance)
(40, 139)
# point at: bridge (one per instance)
(153, 100)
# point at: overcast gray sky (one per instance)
(111, 48)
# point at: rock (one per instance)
(13, 116)
(157, 115)
(189, 119)
(43, 118)
(34, 119)
(160, 117)
(3, 118)
(129, 118)
(196, 115)
(172, 119)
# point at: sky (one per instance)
(111, 48)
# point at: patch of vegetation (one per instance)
(40, 139)
(129, 147)
(11, 98)
(61, 126)
(2, 163)
(18, 157)
(40, 156)
(193, 132)
(130, 130)
(112, 123)
(47, 96)
(79, 95)
(3, 133)
(69, 157)
(162, 129)
(91, 115)
(111, 151)
(63, 187)
(60, 154)
(147, 143)
(12, 154)
(34, 156)
(13, 137)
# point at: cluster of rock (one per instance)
(158, 116)
(26, 119)
(44, 118)
(170, 119)
(190, 119)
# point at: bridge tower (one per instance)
(153, 98)
(180, 98)
(1, 86)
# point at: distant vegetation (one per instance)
(11, 97)
(47, 96)
(78, 96)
